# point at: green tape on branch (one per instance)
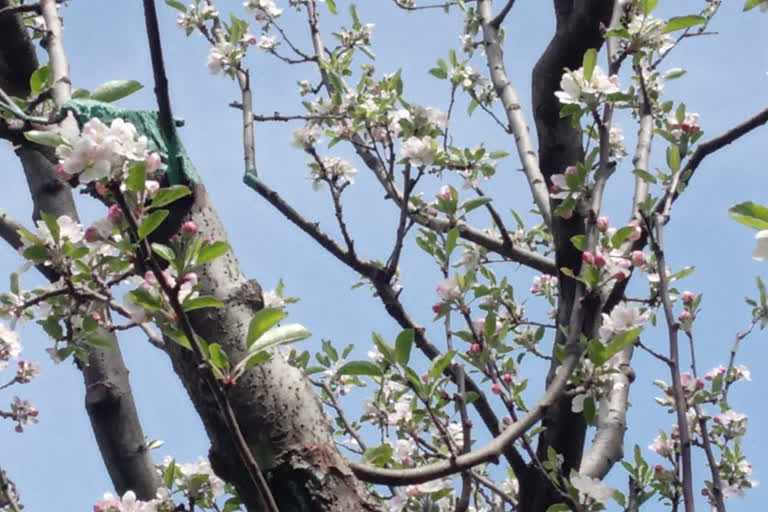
(180, 168)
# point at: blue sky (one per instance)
(56, 463)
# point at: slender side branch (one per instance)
(515, 117)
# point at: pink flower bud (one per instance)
(175, 237)
(507, 378)
(92, 235)
(587, 257)
(599, 260)
(638, 258)
(658, 468)
(699, 383)
(115, 215)
(603, 223)
(507, 420)
(620, 275)
(476, 348)
(189, 228)
(566, 215)
(436, 308)
(705, 492)
(496, 388)
(571, 169)
(153, 162)
(445, 193)
(687, 297)
(61, 173)
(637, 233)
(685, 316)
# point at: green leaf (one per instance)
(475, 202)
(673, 73)
(751, 4)
(403, 345)
(170, 474)
(44, 138)
(384, 348)
(289, 333)
(439, 364)
(204, 301)
(211, 251)
(170, 194)
(681, 22)
(15, 283)
(450, 241)
(380, 455)
(151, 223)
(473, 104)
(331, 6)
(99, 341)
(261, 322)
(439, 73)
(40, 79)
(53, 226)
(217, 356)
(164, 252)
(115, 89)
(750, 214)
(618, 238)
(36, 253)
(179, 6)
(78, 94)
(137, 174)
(644, 175)
(648, 6)
(596, 352)
(257, 358)
(360, 368)
(621, 342)
(673, 158)
(578, 242)
(588, 63)
(559, 507)
(590, 410)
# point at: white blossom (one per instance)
(272, 299)
(760, 252)
(418, 151)
(592, 488)
(332, 168)
(575, 88)
(622, 318)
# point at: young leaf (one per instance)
(475, 202)
(621, 342)
(289, 333)
(205, 301)
(588, 63)
(137, 174)
(440, 364)
(261, 322)
(40, 79)
(217, 356)
(44, 138)
(151, 223)
(212, 251)
(168, 195)
(115, 89)
(53, 226)
(403, 345)
(176, 5)
(750, 214)
(164, 252)
(681, 22)
(360, 368)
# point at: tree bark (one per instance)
(108, 395)
(577, 30)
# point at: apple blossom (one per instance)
(10, 346)
(662, 445)
(23, 413)
(715, 372)
(266, 42)
(189, 228)
(27, 371)
(687, 297)
(306, 136)
(221, 57)
(332, 168)
(445, 193)
(262, 9)
(648, 32)
(622, 318)
(576, 89)
(637, 233)
(637, 258)
(616, 143)
(592, 489)
(603, 223)
(418, 151)
(496, 388)
(448, 289)
(587, 257)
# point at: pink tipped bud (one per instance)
(507, 420)
(705, 492)
(587, 257)
(153, 162)
(61, 173)
(476, 348)
(658, 468)
(507, 378)
(571, 169)
(603, 223)
(445, 193)
(96, 316)
(436, 308)
(637, 233)
(115, 214)
(496, 388)
(599, 260)
(685, 316)
(620, 275)
(425, 377)
(189, 228)
(687, 297)
(699, 383)
(92, 235)
(638, 258)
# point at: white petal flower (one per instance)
(418, 150)
(760, 252)
(575, 89)
(592, 488)
(622, 318)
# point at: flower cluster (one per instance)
(332, 170)
(102, 152)
(576, 89)
(196, 15)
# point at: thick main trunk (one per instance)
(577, 30)
(280, 416)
